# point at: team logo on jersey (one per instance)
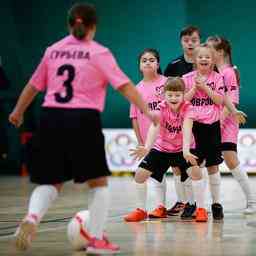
(212, 85)
(160, 91)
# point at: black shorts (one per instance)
(228, 146)
(159, 162)
(68, 145)
(208, 142)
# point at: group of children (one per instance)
(197, 112)
(75, 71)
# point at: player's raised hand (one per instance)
(139, 152)
(190, 158)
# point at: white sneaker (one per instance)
(25, 234)
(251, 208)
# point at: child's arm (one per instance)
(190, 94)
(230, 108)
(187, 134)
(216, 98)
(136, 129)
(25, 99)
(141, 151)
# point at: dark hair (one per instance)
(221, 43)
(156, 55)
(189, 30)
(174, 84)
(81, 18)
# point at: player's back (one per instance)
(74, 79)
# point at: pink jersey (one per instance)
(170, 137)
(229, 127)
(152, 93)
(206, 110)
(75, 74)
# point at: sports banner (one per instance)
(118, 142)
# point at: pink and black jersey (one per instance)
(229, 126)
(75, 74)
(206, 110)
(152, 94)
(170, 137)
(231, 83)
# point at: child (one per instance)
(74, 72)
(205, 90)
(229, 125)
(163, 147)
(151, 90)
(189, 40)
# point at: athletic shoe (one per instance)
(201, 215)
(217, 211)
(102, 246)
(159, 212)
(188, 212)
(136, 215)
(25, 234)
(176, 209)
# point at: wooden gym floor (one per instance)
(236, 235)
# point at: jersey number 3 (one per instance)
(67, 83)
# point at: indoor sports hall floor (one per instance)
(236, 235)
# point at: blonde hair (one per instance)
(197, 50)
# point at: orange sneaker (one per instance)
(136, 215)
(201, 215)
(159, 212)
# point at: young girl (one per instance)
(151, 90)
(205, 90)
(74, 72)
(163, 147)
(229, 126)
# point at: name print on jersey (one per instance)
(172, 129)
(56, 54)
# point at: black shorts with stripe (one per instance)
(208, 142)
(68, 145)
(159, 162)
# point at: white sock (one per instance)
(141, 192)
(189, 191)
(156, 192)
(41, 199)
(214, 182)
(98, 208)
(179, 188)
(199, 192)
(243, 180)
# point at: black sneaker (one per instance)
(217, 211)
(176, 209)
(188, 212)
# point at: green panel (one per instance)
(234, 20)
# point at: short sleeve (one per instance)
(39, 77)
(107, 64)
(220, 87)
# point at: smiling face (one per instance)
(190, 42)
(204, 59)
(174, 99)
(148, 63)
